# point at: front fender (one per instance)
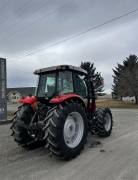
(28, 100)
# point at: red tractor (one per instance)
(61, 113)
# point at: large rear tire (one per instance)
(104, 122)
(68, 129)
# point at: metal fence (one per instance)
(3, 87)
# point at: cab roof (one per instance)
(60, 67)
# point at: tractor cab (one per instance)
(61, 80)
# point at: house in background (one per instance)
(14, 94)
(129, 99)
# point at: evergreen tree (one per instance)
(125, 77)
(94, 76)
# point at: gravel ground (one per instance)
(115, 158)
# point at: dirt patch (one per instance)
(102, 150)
(115, 104)
(95, 144)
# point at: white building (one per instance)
(14, 94)
(129, 98)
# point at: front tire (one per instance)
(67, 130)
(104, 122)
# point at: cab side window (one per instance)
(80, 85)
(65, 84)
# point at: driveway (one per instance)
(115, 158)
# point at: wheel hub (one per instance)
(107, 121)
(73, 129)
(70, 128)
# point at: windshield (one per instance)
(46, 85)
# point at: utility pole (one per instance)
(3, 89)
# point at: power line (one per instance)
(80, 33)
(38, 19)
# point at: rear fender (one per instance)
(66, 97)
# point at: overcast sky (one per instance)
(34, 25)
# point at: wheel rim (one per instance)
(73, 129)
(107, 121)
